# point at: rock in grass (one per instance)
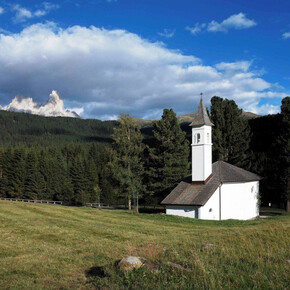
(207, 246)
(129, 263)
(177, 266)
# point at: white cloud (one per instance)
(4, 31)
(236, 21)
(286, 35)
(234, 66)
(1, 10)
(168, 33)
(196, 29)
(103, 72)
(22, 14)
(264, 109)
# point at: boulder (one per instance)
(130, 263)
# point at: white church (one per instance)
(217, 191)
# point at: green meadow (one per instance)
(57, 247)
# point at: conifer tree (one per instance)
(92, 179)
(168, 158)
(34, 181)
(284, 169)
(108, 184)
(126, 164)
(231, 133)
(15, 172)
(79, 182)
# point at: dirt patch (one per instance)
(151, 251)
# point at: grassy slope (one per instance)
(44, 246)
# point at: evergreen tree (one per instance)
(108, 184)
(92, 179)
(14, 171)
(167, 159)
(285, 151)
(126, 164)
(34, 181)
(218, 119)
(231, 133)
(79, 182)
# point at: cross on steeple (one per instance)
(201, 94)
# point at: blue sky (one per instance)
(106, 57)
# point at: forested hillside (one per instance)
(21, 128)
(73, 160)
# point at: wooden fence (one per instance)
(33, 200)
(93, 205)
(106, 206)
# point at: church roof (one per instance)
(188, 193)
(201, 118)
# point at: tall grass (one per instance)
(43, 246)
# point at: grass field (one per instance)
(43, 246)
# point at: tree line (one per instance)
(148, 167)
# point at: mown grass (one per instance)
(43, 246)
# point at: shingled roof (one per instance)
(201, 118)
(188, 193)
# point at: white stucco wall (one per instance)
(210, 211)
(184, 211)
(201, 153)
(239, 200)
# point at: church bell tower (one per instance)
(201, 147)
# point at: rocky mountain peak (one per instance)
(53, 107)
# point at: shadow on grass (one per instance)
(96, 271)
(151, 210)
(269, 214)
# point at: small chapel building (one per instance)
(217, 191)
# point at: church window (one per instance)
(252, 189)
(210, 210)
(197, 138)
(207, 137)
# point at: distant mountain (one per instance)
(188, 118)
(249, 115)
(53, 107)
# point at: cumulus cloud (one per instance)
(22, 14)
(1, 10)
(264, 109)
(286, 35)
(236, 21)
(168, 33)
(100, 73)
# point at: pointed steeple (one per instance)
(201, 118)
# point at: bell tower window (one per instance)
(197, 138)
